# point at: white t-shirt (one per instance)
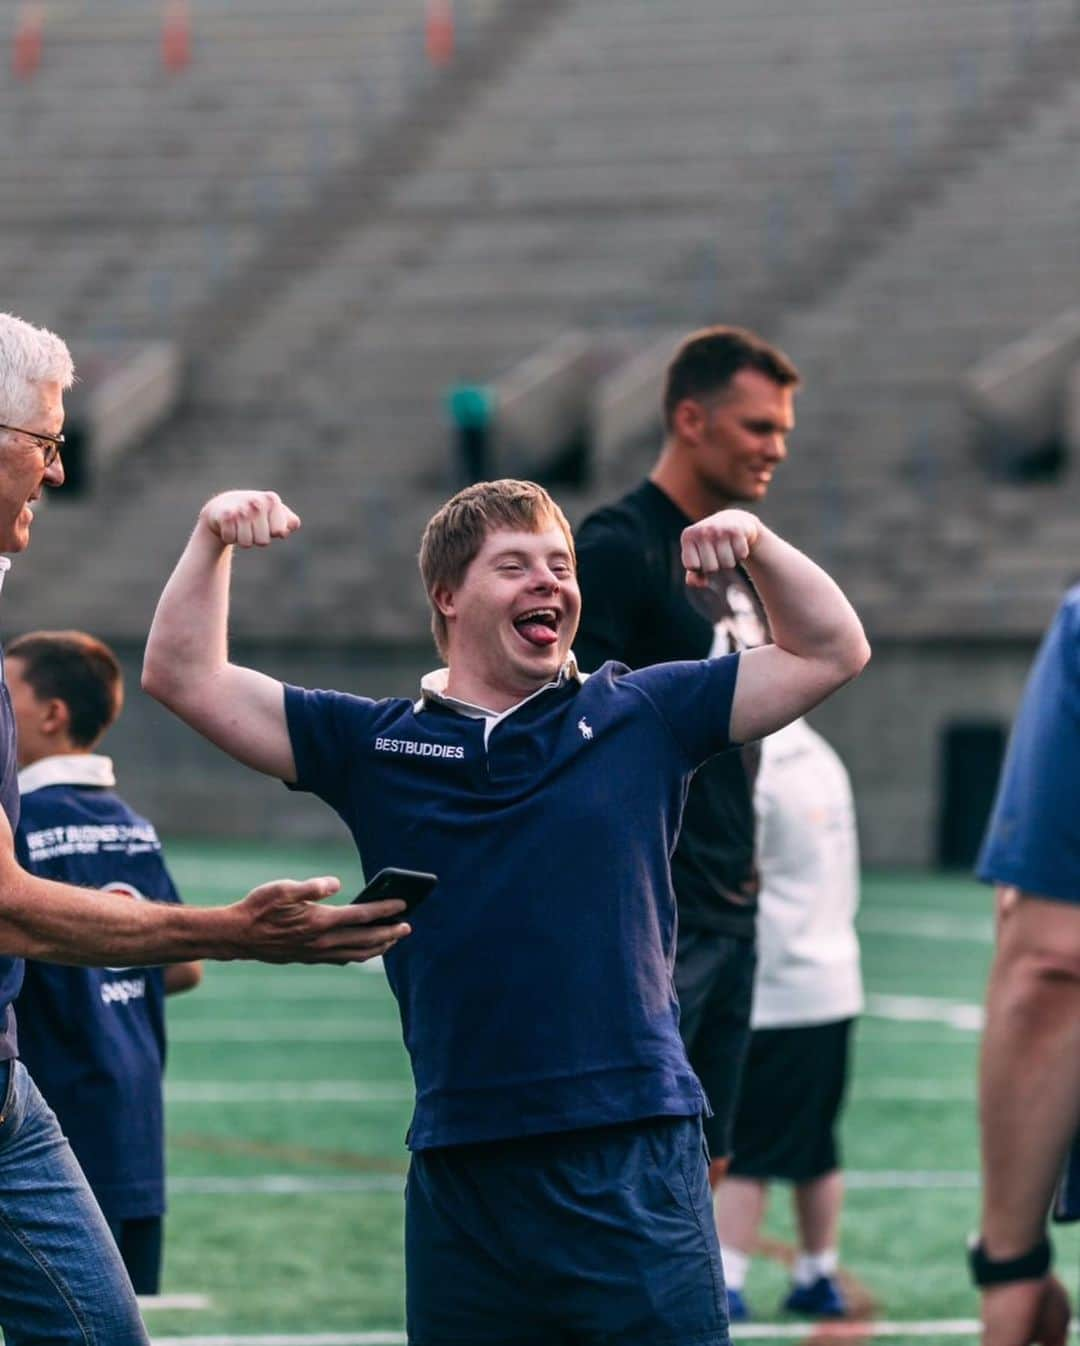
(808, 854)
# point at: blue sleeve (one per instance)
(325, 729)
(166, 889)
(1033, 838)
(694, 698)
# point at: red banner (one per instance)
(439, 32)
(176, 35)
(27, 44)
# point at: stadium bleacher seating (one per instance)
(628, 167)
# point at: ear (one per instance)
(689, 420)
(55, 717)
(443, 598)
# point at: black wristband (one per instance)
(1030, 1266)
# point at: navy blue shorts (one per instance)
(574, 1239)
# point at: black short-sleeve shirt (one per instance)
(637, 609)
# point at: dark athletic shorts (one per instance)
(714, 980)
(793, 1087)
(140, 1242)
(601, 1237)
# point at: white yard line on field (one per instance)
(297, 1339)
(904, 1090)
(150, 1302)
(297, 1184)
(933, 1327)
(925, 1009)
(286, 1184)
(902, 1179)
(271, 1032)
(926, 925)
(285, 1091)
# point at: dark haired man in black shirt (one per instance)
(728, 409)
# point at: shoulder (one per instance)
(664, 684)
(1053, 684)
(343, 708)
(53, 802)
(628, 519)
(1066, 625)
(625, 541)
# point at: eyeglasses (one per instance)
(50, 444)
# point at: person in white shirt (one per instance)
(807, 992)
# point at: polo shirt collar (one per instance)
(77, 768)
(433, 693)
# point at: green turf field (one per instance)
(289, 1098)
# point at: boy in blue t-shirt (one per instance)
(93, 1038)
(558, 1185)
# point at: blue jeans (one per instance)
(61, 1277)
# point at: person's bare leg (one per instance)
(817, 1210)
(739, 1204)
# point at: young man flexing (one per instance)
(557, 1187)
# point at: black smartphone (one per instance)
(410, 886)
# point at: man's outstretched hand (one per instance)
(282, 922)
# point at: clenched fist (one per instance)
(718, 543)
(248, 518)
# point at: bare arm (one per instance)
(1029, 1102)
(819, 640)
(279, 922)
(182, 977)
(186, 665)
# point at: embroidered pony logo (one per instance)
(584, 728)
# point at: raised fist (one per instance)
(248, 518)
(718, 543)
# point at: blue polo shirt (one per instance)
(11, 969)
(1033, 839)
(94, 1038)
(535, 991)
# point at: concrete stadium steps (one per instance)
(321, 370)
(632, 167)
(189, 167)
(351, 572)
(884, 417)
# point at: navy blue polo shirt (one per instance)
(535, 991)
(94, 1038)
(1033, 839)
(11, 969)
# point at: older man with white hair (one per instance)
(61, 1276)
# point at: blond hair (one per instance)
(455, 534)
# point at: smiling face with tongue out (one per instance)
(512, 617)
